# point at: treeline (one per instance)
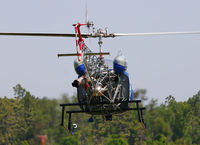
(24, 117)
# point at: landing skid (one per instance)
(69, 128)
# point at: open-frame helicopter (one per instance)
(101, 90)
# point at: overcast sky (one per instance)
(163, 65)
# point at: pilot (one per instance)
(120, 67)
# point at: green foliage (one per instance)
(70, 140)
(117, 141)
(24, 117)
(24, 143)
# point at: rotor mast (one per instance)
(100, 45)
(99, 33)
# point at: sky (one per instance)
(163, 65)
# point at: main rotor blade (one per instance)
(84, 35)
(90, 35)
(155, 33)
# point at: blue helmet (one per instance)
(120, 64)
(79, 67)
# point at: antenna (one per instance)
(89, 23)
(86, 12)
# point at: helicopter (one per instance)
(101, 89)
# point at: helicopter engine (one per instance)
(99, 86)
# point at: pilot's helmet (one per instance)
(79, 67)
(120, 64)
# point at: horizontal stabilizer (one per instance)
(77, 54)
